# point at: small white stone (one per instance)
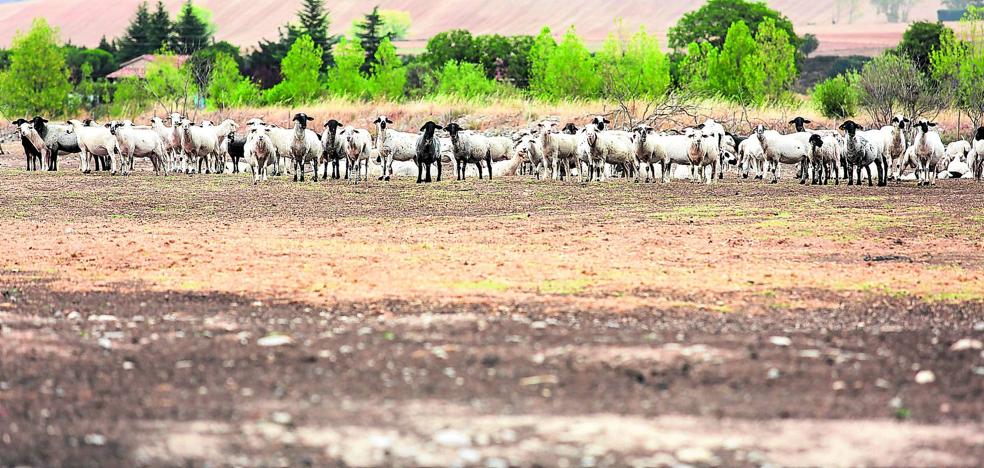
(274, 340)
(538, 325)
(102, 318)
(925, 377)
(452, 438)
(965, 344)
(839, 385)
(105, 343)
(281, 417)
(95, 439)
(780, 340)
(773, 374)
(127, 365)
(73, 315)
(697, 456)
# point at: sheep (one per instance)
(978, 153)
(646, 149)
(607, 147)
(530, 147)
(928, 151)
(469, 147)
(235, 147)
(704, 151)
(280, 137)
(718, 133)
(59, 138)
(780, 149)
(894, 145)
(157, 124)
(258, 151)
(860, 153)
(133, 142)
(305, 146)
(751, 155)
(825, 155)
(428, 152)
(221, 132)
(34, 153)
(356, 145)
(33, 143)
(559, 147)
(176, 142)
(95, 142)
(393, 145)
(329, 141)
(200, 143)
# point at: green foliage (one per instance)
(502, 58)
(136, 41)
(568, 72)
(167, 84)
(464, 80)
(131, 98)
(636, 68)
(300, 69)
(809, 44)
(737, 73)
(396, 24)
(837, 97)
(958, 64)
(370, 35)
(893, 84)
(37, 81)
(263, 64)
(192, 29)
(712, 22)
(314, 21)
(101, 62)
(920, 40)
(777, 58)
(389, 76)
(456, 45)
(346, 78)
(227, 87)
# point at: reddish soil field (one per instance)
(200, 320)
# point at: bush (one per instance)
(837, 97)
(300, 70)
(465, 80)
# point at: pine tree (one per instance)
(135, 41)
(190, 31)
(264, 62)
(104, 44)
(370, 36)
(159, 27)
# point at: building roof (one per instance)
(137, 67)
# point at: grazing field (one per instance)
(203, 320)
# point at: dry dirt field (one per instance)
(199, 320)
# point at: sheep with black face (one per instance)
(305, 146)
(428, 152)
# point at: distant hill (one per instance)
(245, 22)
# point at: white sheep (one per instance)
(559, 147)
(259, 151)
(200, 144)
(305, 145)
(751, 156)
(705, 150)
(138, 142)
(825, 157)
(356, 145)
(894, 145)
(95, 142)
(469, 147)
(780, 149)
(646, 149)
(928, 151)
(393, 145)
(860, 153)
(530, 147)
(607, 147)
(179, 161)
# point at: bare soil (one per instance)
(201, 320)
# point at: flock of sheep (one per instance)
(544, 150)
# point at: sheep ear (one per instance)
(807, 121)
(388, 120)
(792, 122)
(309, 118)
(606, 120)
(932, 124)
(438, 127)
(700, 127)
(843, 126)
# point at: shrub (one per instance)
(465, 80)
(837, 97)
(300, 69)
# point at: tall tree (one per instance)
(37, 80)
(159, 27)
(370, 35)
(313, 18)
(389, 76)
(191, 32)
(712, 21)
(107, 46)
(135, 41)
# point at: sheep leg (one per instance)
(882, 167)
(488, 160)
(479, 166)
(439, 169)
(428, 179)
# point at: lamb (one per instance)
(258, 151)
(780, 149)
(860, 153)
(718, 133)
(894, 145)
(133, 142)
(928, 152)
(428, 152)
(825, 156)
(356, 145)
(95, 142)
(751, 155)
(305, 146)
(329, 141)
(393, 145)
(978, 153)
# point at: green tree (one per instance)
(540, 52)
(777, 59)
(569, 71)
(158, 28)
(389, 76)
(396, 24)
(135, 40)
(191, 31)
(456, 45)
(464, 80)
(737, 74)
(809, 44)
(370, 35)
(300, 70)
(346, 79)
(263, 64)
(37, 81)
(958, 64)
(101, 62)
(712, 22)
(130, 98)
(920, 40)
(634, 68)
(170, 86)
(314, 21)
(837, 97)
(895, 11)
(228, 88)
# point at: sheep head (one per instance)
(816, 141)
(302, 119)
(851, 127)
(453, 129)
(570, 129)
(800, 123)
(429, 128)
(332, 125)
(979, 135)
(923, 125)
(382, 121)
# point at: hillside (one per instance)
(245, 22)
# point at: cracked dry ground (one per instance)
(201, 320)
